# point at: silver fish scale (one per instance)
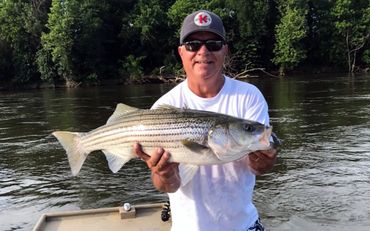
(152, 128)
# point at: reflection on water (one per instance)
(321, 181)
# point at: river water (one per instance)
(321, 180)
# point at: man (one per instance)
(219, 197)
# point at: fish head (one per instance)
(249, 135)
(233, 139)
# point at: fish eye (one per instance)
(249, 128)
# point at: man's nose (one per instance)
(203, 49)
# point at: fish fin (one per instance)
(117, 158)
(171, 107)
(187, 172)
(71, 142)
(121, 109)
(166, 107)
(227, 156)
(194, 146)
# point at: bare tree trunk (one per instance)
(349, 63)
(70, 83)
(354, 61)
(281, 71)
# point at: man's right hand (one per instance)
(165, 174)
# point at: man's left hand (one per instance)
(263, 161)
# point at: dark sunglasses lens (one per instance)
(193, 45)
(214, 45)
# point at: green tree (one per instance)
(147, 30)
(320, 29)
(57, 43)
(73, 41)
(246, 22)
(352, 24)
(180, 9)
(73, 48)
(21, 23)
(289, 50)
(5, 65)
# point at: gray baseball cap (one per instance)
(202, 20)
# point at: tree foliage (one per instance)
(290, 32)
(90, 41)
(21, 23)
(146, 30)
(72, 47)
(248, 31)
(352, 24)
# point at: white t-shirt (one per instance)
(219, 197)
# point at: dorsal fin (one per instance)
(166, 107)
(121, 109)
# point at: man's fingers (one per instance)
(256, 157)
(163, 161)
(155, 158)
(139, 152)
(157, 161)
(262, 161)
(271, 153)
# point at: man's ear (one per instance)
(226, 47)
(179, 50)
(226, 53)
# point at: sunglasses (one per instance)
(211, 45)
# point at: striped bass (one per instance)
(192, 137)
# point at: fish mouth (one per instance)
(265, 137)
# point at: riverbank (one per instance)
(160, 79)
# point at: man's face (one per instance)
(202, 64)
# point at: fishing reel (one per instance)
(166, 211)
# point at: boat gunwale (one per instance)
(50, 215)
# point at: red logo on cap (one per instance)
(202, 19)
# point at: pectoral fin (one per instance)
(230, 156)
(194, 146)
(187, 172)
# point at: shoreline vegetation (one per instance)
(169, 79)
(74, 43)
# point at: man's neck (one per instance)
(207, 88)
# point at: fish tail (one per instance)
(71, 142)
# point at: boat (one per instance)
(127, 217)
